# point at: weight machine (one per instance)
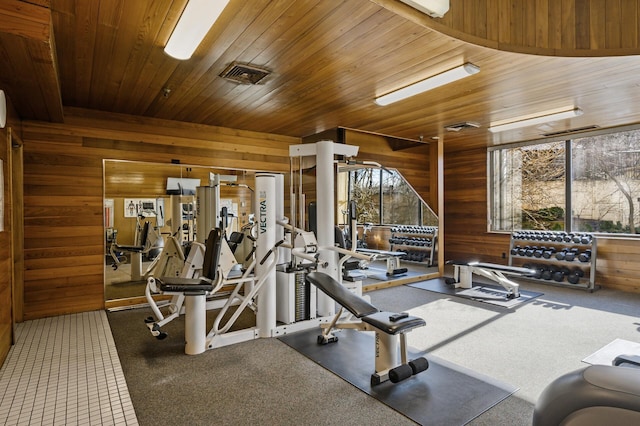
(254, 289)
(146, 239)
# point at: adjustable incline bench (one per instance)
(463, 272)
(390, 330)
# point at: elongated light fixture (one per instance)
(195, 22)
(546, 117)
(434, 8)
(437, 80)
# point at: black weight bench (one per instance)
(390, 329)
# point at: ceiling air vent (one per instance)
(570, 131)
(460, 126)
(244, 73)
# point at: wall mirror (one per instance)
(151, 202)
(145, 203)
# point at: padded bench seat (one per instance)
(188, 286)
(382, 321)
(362, 309)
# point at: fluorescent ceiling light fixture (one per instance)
(429, 83)
(539, 118)
(195, 22)
(434, 8)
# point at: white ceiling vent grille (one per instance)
(244, 73)
(460, 126)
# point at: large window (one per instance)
(384, 197)
(590, 184)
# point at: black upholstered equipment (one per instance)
(362, 309)
(595, 395)
(144, 235)
(391, 362)
(205, 283)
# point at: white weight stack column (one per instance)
(325, 218)
(265, 211)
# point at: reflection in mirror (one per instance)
(390, 216)
(146, 205)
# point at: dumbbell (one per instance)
(562, 272)
(529, 252)
(562, 253)
(549, 252)
(538, 252)
(585, 256)
(575, 275)
(548, 272)
(571, 254)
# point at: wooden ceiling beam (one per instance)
(30, 71)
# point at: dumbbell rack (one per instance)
(555, 256)
(419, 242)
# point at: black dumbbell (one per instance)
(571, 254)
(547, 274)
(575, 275)
(561, 273)
(585, 256)
(539, 269)
(562, 253)
(573, 278)
(549, 252)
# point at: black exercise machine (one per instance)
(595, 395)
(390, 330)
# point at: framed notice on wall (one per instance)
(134, 207)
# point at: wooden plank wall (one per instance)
(466, 236)
(64, 242)
(564, 28)
(7, 236)
(5, 252)
(127, 179)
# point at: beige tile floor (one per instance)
(64, 370)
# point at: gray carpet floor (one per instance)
(264, 381)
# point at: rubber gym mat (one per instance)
(486, 293)
(444, 394)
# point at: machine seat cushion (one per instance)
(381, 321)
(134, 249)
(185, 285)
(332, 288)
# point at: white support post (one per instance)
(386, 351)
(195, 332)
(325, 151)
(265, 208)
(325, 205)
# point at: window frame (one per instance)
(567, 139)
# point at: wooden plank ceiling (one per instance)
(328, 60)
